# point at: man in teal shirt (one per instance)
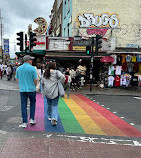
(26, 75)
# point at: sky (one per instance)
(18, 14)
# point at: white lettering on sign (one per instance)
(107, 20)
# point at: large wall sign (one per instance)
(104, 21)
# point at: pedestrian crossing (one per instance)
(81, 115)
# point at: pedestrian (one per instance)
(67, 83)
(72, 74)
(38, 80)
(50, 90)
(8, 72)
(0, 73)
(1, 67)
(26, 75)
(14, 71)
(77, 78)
(11, 74)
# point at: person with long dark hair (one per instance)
(50, 90)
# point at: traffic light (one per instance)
(32, 40)
(88, 50)
(98, 43)
(21, 40)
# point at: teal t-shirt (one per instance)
(26, 74)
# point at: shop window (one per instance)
(68, 6)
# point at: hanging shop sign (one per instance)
(40, 42)
(42, 26)
(6, 46)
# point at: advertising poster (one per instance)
(6, 46)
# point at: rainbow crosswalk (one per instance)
(81, 115)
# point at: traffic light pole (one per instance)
(91, 68)
(25, 43)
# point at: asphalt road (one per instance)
(14, 140)
(10, 115)
(126, 107)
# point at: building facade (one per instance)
(56, 19)
(122, 21)
(117, 21)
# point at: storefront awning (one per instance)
(71, 55)
(35, 52)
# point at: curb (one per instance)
(114, 94)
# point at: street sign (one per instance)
(82, 42)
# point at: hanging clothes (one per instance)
(133, 58)
(110, 81)
(118, 70)
(128, 58)
(111, 70)
(117, 81)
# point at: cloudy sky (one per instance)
(18, 14)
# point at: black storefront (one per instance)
(66, 59)
(74, 59)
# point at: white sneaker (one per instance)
(54, 122)
(49, 118)
(24, 125)
(32, 122)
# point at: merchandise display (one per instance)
(125, 71)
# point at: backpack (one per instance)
(66, 79)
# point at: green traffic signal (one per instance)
(88, 50)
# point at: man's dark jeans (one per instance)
(32, 98)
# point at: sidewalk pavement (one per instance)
(134, 91)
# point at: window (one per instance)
(68, 6)
(68, 30)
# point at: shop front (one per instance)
(124, 71)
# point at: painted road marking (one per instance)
(120, 141)
(122, 117)
(115, 112)
(129, 130)
(137, 97)
(98, 118)
(85, 121)
(90, 116)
